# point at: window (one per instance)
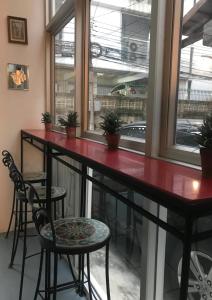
(192, 79)
(64, 70)
(128, 268)
(54, 6)
(118, 72)
(120, 77)
(119, 63)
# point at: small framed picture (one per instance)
(17, 30)
(18, 77)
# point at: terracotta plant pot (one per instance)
(206, 162)
(71, 132)
(112, 140)
(48, 126)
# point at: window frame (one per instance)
(53, 28)
(128, 144)
(170, 88)
(161, 104)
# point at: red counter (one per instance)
(175, 181)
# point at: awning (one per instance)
(195, 20)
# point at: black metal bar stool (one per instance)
(21, 220)
(69, 236)
(32, 177)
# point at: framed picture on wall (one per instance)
(17, 30)
(18, 77)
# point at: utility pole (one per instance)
(190, 66)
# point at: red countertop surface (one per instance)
(177, 181)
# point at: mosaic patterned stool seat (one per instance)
(76, 234)
(70, 236)
(57, 193)
(34, 177)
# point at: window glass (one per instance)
(129, 249)
(54, 6)
(194, 97)
(119, 63)
(64, 70)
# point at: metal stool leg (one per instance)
(79, 272)
(39, 275)
(47, 274)
(81, 293)
(15, 234)
(46, 271)
(55, 210)
(71, 268)
(24, 250)
(11, 216)
(89, 278)
(81, 275)
(107, 271)
(63, 208)
(55, 276)
(21, 216)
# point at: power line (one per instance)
(112, 11)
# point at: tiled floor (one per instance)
(10, 278)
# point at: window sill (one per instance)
(132, 144)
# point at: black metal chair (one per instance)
(21, 220)
(32, 177)
(69, 236)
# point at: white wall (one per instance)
(20, 109)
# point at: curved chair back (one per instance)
(17, 179)
(14, 174)
(7, 159)
(32, 195)
(41, 218)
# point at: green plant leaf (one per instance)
(111, 122)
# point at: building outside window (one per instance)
(119, 61)
(64, 72)
(193, 75)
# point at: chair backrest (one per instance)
(7, 158)
(32, 195)
(41, 218)
(17, 179)
(14, 173)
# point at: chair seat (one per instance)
(57, 193)
(77, 234)
(34, 177)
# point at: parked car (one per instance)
(200, 275)
(137, 130)
(185, 132)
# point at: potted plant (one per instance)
(47, 120)
(204, 138)
(70, 124)
(111, 125)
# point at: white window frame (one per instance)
(154, 90)
(170, 88)
(67, 12)
(161, 104)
